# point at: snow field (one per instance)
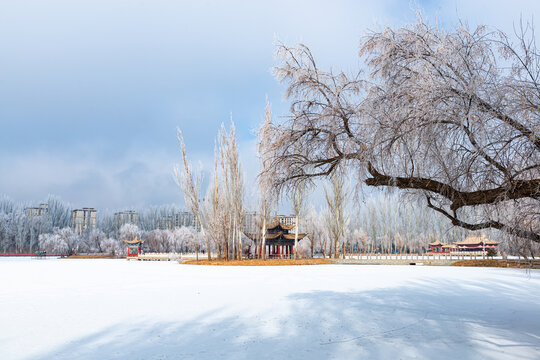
(118, 309)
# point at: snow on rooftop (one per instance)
(115, 309)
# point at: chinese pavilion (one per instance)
(134, 247)
(437, 247)
(279, 242)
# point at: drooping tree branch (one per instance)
(485, 225)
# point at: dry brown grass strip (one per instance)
(258, 262)
(493, 263)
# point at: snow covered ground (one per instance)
(115, 309)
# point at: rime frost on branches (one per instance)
(61, 241)
(451, 116)
(222, 211)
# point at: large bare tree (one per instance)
(452, 116)
(336, 199)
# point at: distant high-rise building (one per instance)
(287, 220)
(43, 209)
(166, 222)
(31, 211)
(183, 218)
(251, 222)
(83, 219)
(126, 217)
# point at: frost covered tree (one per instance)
(450, 116)
(110, 246)
(94, 240)
(264, 191)
(180, 239)
(59, 213)
(129, 232)
(192, 239)
(233, 186)
(53, 244)
(215, 215)
(61, 241)
(303, 248)
(190, 184)
(298, 199)
(223, 208)
(315, 227)
(336, 216)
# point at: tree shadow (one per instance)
(425, 319)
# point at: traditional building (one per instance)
(476, 243)
(278, 239)
(470, 244)
(448, 248)
(436, 247)
(135, 247)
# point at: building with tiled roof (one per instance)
(477, 243)
(278, 239)
(470, 244)
(436, 247)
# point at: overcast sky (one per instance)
(91, 92)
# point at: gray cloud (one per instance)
(91, 91)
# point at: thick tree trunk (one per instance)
(263, 249)
(296, 238)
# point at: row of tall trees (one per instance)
(378, 223)
(221, 211)
(381, 223)
(65, 240)
(19, 232)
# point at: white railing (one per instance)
(441, 256)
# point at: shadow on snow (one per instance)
(425, 319)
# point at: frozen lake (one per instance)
(115, 309)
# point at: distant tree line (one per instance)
(21, 232)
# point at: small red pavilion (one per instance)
(438, 247)
(134, 247)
